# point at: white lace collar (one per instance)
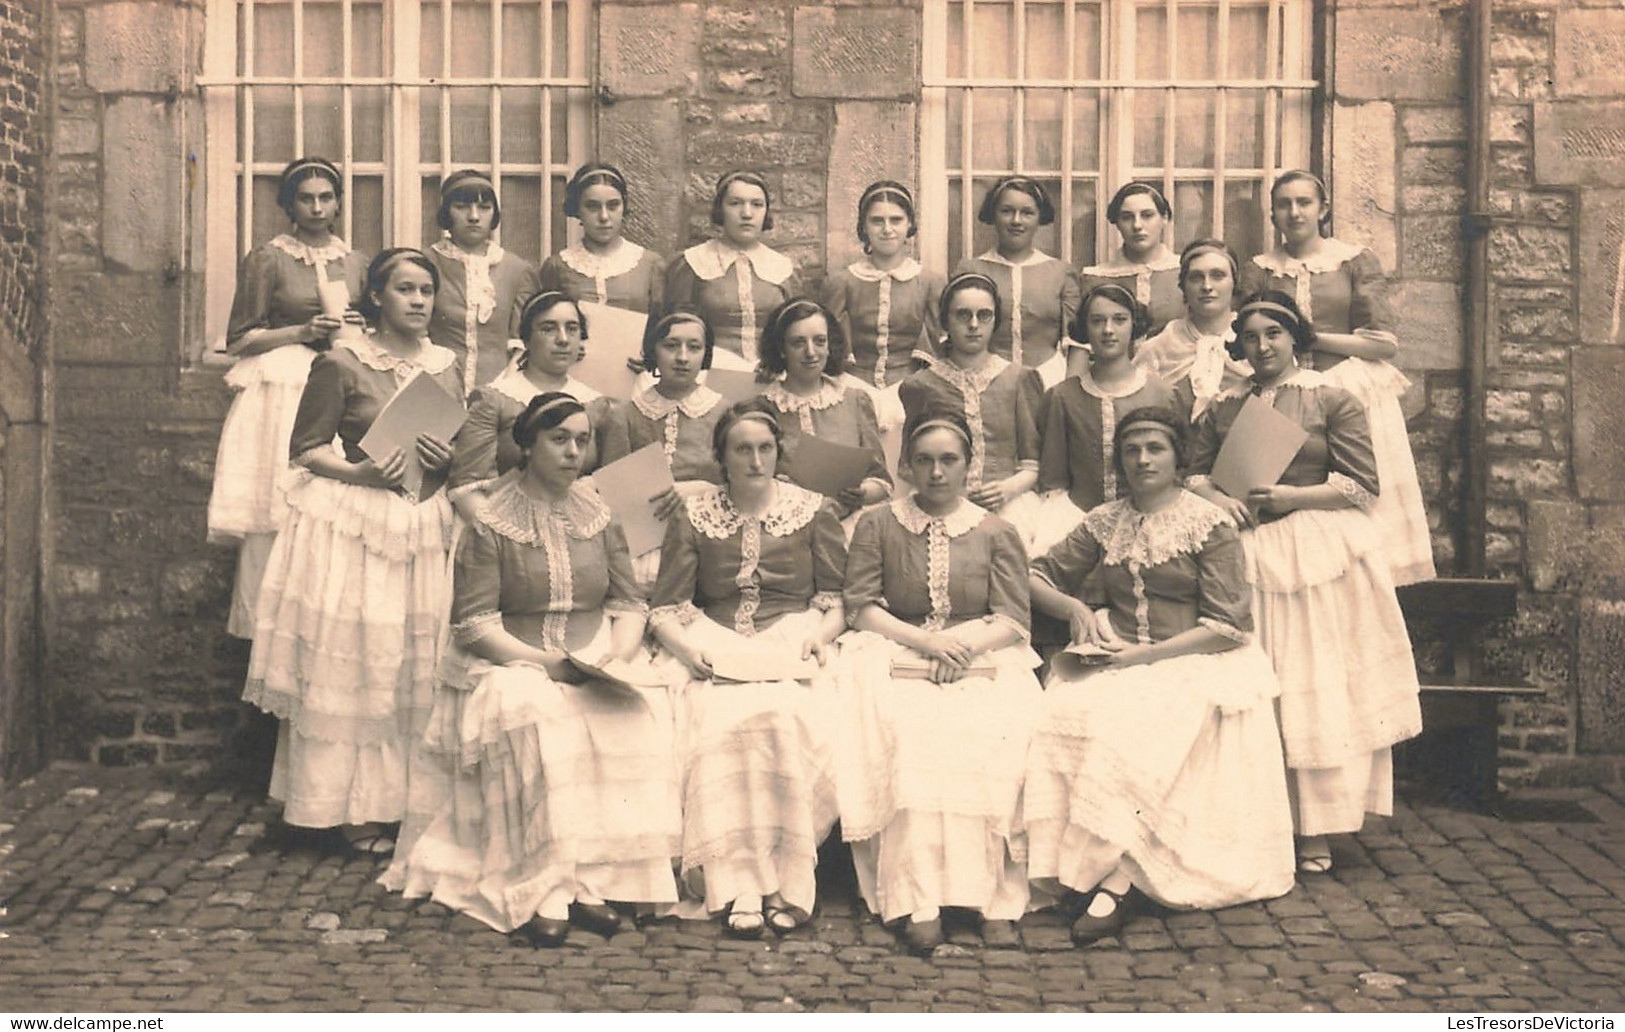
(829, 392)
(1121, 266)
(1303, 379)
(916, 520)
(445, 246)
(1329, 258)
(714, 257)
(512, 383)
(292, 246)
(618, 262)
(1151, 538)
(712, 511)
(694, 404)
(431, 358)
(976, 379)
(867, 271)
(518, 517)
(1086, 380)
(992, 255)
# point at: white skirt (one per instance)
(933, 773)
(1057, 517)
(247, 496)
(758, 773)
(1171, 770)
(1402, 518)
(559, 792)
(1326, 613)
(346, 631)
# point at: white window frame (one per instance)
(1289, 21)
(229, 187)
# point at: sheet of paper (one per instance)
(1257, 450)
(828, 468)
(734, 385)
(627, 485)
(1073, 660)
(614, 335)
(616, 675)
(749, 663)
(921, 668)
(420, 407)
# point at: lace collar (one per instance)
(866, 270)
(512, 383)
(830, 392)
(1303, 379)
(916, 520)
(1130, 536)
(518, 517)
(431, 358)
(1331, 256)
(975, 380)
(714, 257)
(694, 404)
(493, 252)
(618, 262)
(1036, 258)
(712, 512)
(293, 247)
(1120, 266)
(1136, 382)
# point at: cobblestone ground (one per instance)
(125, 892)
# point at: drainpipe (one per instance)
(1476, 226)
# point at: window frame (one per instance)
(228, 194)
(1295, 27)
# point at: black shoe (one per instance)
(595, 917)
(545, 932)
(922, 937)
(1088, 928)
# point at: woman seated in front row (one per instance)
(938, 698)
(564, 793)
(1157, 762)
(753, 568)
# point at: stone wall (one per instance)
(23, 88)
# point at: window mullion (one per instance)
(967, 157)
(1272, 37)
(1221, 105)
(347, 158)
(1068, 107)
(496, 106)
(1018, 156)
(403, 192)
(933, 158)
(1169, 103)
(298, 75)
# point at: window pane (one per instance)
(368, 105)
(429, 126)
(1193, 212)
(956, 210)
(471, 39)
(430, 203)
(470, 125)
(992, 125)
(1147, 106)
(1249, 28)
(982, 234)
(1046, 41)
(1041, 145)
(560, 99)
(273, 123)
(1193, 128)
(1048, 238)
(521, 217)
(956, 40)
(430, 64)
(1244, 129)
(995, 42)
(369, 45)
(561, 37)
(1086, 129)
(1086, 40)
(956, 129)
(1198, 32)
(1085, 202)
(522, 125)
(521, 40)
(273, 40)
(323, 40)
(324, 121)
(269, 220)
(368, 215)
(1244, 217)
(1149, 59)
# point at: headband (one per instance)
(762, 417)
(395, 257)
(1268, 306)
(965, 277)
(1027, 183)
(458, 180)
(1125, 429)
(741, 175)
(885, 187)
(940, 424)
(608, 175)
(551, 297)
(1130, 189)
(312, 165)
(566, 401)
(785, 317)
(1302, 173)
(1197, 250)
(1106, 290)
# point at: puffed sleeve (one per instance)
(1054, 462)
(682, 286)
(1223, 599)
(673, 595)
(321, 407)
(1029, 399)
(251, 305)
(615, 442)
(530, 284)
(1370, 312)
(1069, 561)
(476, 593)
(624, 593)
(657, 281)
(1071, 296)
(474, 449)
(869, 435)
(864, 583)
(829, 556)
(1009, 592)
(1352, 464)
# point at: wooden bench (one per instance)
(1460, 717)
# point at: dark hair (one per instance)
(467, 186)
(913, 425)
(1117, 294)
(737, 413)
(658, 328)
(969, 281)
(1162, 416)
(788, 313)
(1207, 245)
(1294, 175)
(594, 173)
(300, 169)
(1278, 308)
(1127, 190)
(885, 190)
(378, 271)
(544, 413)
(1022, 184)
(749, 178)
(538, 303)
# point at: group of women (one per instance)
(568, 733)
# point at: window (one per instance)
(1207, 100)
(384, 90)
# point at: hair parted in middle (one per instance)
(594, 173)
(538, 303)
(658, 329)
(786, 315)
(1279, 308)
(741, 175)
(885, 190)
(378, 272)
(756, 409)
(1021, 184)
(1165, 419)
(969, 281)
(1118, 294)
(545, 411)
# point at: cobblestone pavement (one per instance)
(126, 892)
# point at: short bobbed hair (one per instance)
(659, 328)
(1207, 245)
(1127, 190)
(539, 303)
(1279, 308)
(891, 191)
(378, 273)
(1117, 294)
(545, 411)
(594, 173)
(755, 409)
(922, 421)
(297, 171)
(750, 179)
(961, 283)
(786, 315)
(467, 186)
(1162, 416)
(1022, 184)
